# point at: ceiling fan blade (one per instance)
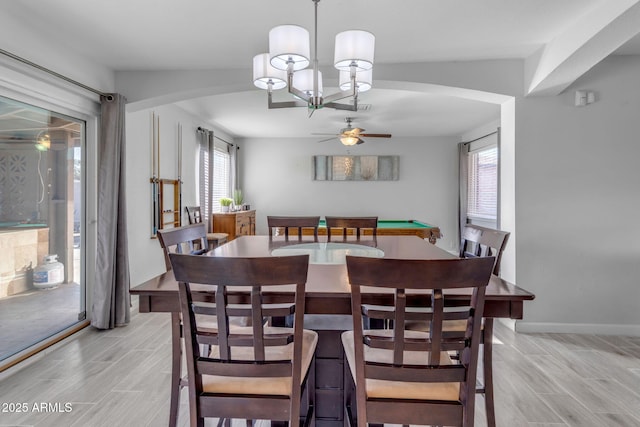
(376, 135)
(360, 141)
(327, 139)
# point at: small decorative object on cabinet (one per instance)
(225, 203)
(238, 198)
(235, 224)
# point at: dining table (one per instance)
(327, 290)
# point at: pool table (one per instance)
(388, 227)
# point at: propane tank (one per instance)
(50, 274)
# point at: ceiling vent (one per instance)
(364, 107)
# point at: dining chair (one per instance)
(400, 376)
(477, 241)
(293, 222)
(195, 217)
(191, 239)
(482, 241)
(256, 372)
(353, 223)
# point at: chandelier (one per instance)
(285, 65)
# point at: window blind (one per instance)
(221, 177)
(203, 176)
(482, 183)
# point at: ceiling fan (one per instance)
(351, 135)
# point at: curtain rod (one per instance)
(53, 73)
(480, 137)
(201, 129)
(220, 139)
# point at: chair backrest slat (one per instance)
(258, 332)
(435, 331)
(398, 327)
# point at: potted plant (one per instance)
(237, 198)
(225, 202)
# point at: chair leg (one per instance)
(488, 372)
(176, 355)
(349, 405)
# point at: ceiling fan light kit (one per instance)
(351, 136)
(289, 56)
(349, 140)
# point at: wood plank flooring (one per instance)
(121, 378)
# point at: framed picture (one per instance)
(355, 168)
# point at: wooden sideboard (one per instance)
(235, 224)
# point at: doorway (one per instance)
(42, 274)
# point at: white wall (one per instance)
(277, 181)
(146, 259)
(578, 198)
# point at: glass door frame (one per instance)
(42, 92)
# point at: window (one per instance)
(214, 184)
(482, 181)
(221, 177)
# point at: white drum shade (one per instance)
(289, 43)
(354, 47)
(364, 80)
(263, 73)
(303, 81)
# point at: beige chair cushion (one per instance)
(280, 386)
(447, 326)
(400, 389)
(217, 236)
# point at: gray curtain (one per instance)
(463, 169)
(111, 299)
(235, 179)
(205, 174)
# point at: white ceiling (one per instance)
(204, 34)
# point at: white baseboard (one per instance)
(578, 328)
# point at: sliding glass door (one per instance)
(42, 286)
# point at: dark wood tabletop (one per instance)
(327, 290)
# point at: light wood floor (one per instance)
(121, 378)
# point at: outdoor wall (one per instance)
(277, 181)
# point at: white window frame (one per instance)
(221, 178)
(476, 148)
